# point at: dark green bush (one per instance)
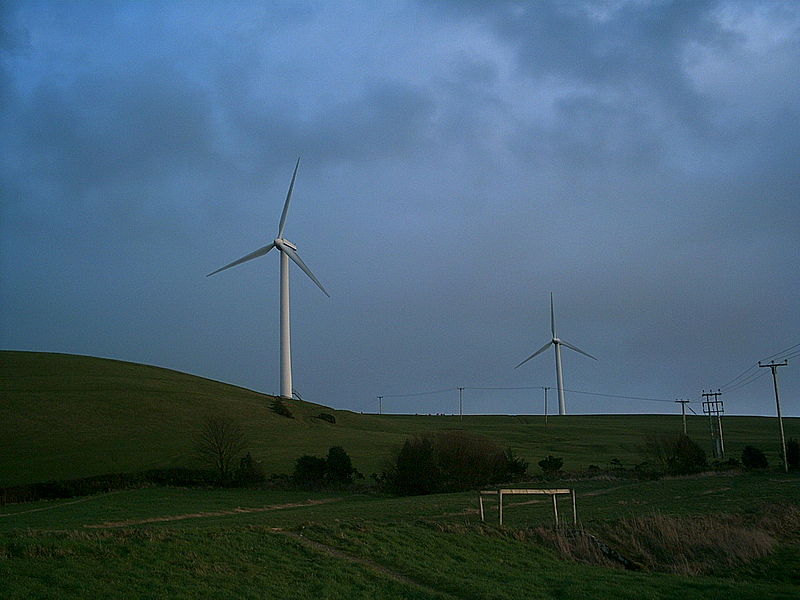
(280, 408)
(86, 486)
(327, 417)
(250, 471)
(551, 465)
(753, 458)
(335, 469)
(415, 470)
(450, 461)
(674, 455)
(338, 466)
(309, 470)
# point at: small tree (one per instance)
(219, 445)
(414, 470)
(753, 458)
(509, 467)
(551, 465)
(338, 466)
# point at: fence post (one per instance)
(574, 507)
(555, 509)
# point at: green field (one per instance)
(65, 417)
(181, 543)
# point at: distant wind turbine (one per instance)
(288, 250)
(556, 342)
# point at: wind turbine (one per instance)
(288, 251)
(556, 342)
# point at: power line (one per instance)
(618, 396)
(536, 387)
(779, 353)
(749, 374)
(431, 393)
(744, 383)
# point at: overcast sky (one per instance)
(460, 161)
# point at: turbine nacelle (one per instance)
(281, 243)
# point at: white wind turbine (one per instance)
(557, 343)
(288, 250)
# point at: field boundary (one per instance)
(60, 504)
(206, 515)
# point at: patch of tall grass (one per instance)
(689, 545)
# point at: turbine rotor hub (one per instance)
(280, 242)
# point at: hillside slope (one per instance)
(65, 416)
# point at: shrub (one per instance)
(338, 466)
(450, 461)
(793, 453)
(249, 472)
(510, 467)
(676, 455)
(327, 417)
(336, 469)
(309, 470)
(415, 470)
(551, 465)
(753, 458)
(278, 407)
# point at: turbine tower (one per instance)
(288, 251)
(556, 342)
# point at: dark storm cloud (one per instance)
(126, 126)
(387, 120)
(459, 162)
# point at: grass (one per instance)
(65, 416)
(241, 563)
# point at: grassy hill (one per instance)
(65, 416)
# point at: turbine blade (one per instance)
(552, 317)
(299, 262)
(571, 347)
(288, 199)
(537, 353)
(251, 256)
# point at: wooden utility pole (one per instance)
(461, 404)
(683, 404)
(545, 404)
(774, 367)
(715, 408)
(380, 405)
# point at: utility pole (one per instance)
(461, 404)
(380, 405)
(715, 408)
(683, 404)
(774, 367)
(545, 404)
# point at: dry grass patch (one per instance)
(681, 545)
